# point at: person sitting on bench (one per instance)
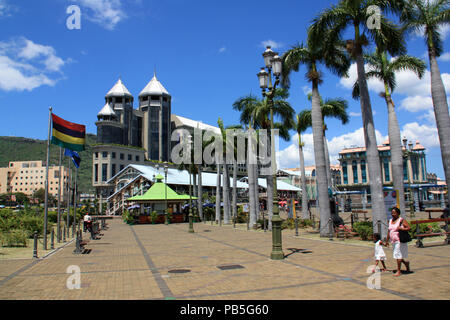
(86, 218)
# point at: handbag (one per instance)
(404, 235)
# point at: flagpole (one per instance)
(46, 178)
(69, 182)
(59, 197)
(75, 201)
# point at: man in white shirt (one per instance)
(87, 218)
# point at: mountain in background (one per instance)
(25, 149)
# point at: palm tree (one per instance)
(331, 108)
(300, 128)
(384, 70)
(427, 17)
(355, 14)
(256, 112)
(331, 53)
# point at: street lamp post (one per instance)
(273, 65)
(166, 167)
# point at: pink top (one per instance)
(393, 230)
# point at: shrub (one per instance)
(288, 224)
(14, 238)
(154, 216)
(241, 216)
(303, 223)
(424, 228)
(364, 229)
(260, 222)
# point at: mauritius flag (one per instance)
(74, 155)
(68, 135)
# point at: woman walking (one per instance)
(400, 249)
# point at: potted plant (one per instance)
(154, 216)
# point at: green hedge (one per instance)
(14, 238)
(364, 229)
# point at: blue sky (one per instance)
(206, 54)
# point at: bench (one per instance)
(430, 210)
(420, 236)
(355, 214)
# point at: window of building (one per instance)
(122, 156)
(119, 100)
(96, 172)
(105, 154)
(129, 157)
(104, 172)
(113, 170)
(405, 170)
(355, 172)
(121, 167)
(344, 172)
(113, 155)
(96, 155)
(137, 158)
(387, 176)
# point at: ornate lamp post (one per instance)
(273, 65)
(166, 168)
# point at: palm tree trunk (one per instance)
(226, 194)
(373, 158)
(218, 193)
(200, 193)
(319, 156)
(235, 168)
(327, 159)
(441, 114)
(251, 183)
(396, 152)
(256, 190)
(303, 181)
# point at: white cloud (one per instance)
(106, 13)
(5, 9)
(25, 65)
(306, 90)
(273, 44)
(445, 56)
(289, 157)
(417, 103)
(426, 134)
(355, 114)
(223, 49)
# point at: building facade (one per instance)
(29, 176)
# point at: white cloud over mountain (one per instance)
(25, 65)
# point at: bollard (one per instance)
(296, 226)
(52, 243)
(78, 245)
(330, 222)
(35, 245)
(64, 234)
(80, 235)
(59, 234)
(351, 217)
(248, 222)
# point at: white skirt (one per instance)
(400, 250)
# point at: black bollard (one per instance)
(52, 243)
(78, 245)
(296, 226)
(35, 250)
(64, 234)
(351, 217)
(330, 222)
(248, 222)
(59, 234)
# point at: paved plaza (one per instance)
(220, 262)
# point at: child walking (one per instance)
(379, 252)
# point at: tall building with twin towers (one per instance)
(126, 135)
